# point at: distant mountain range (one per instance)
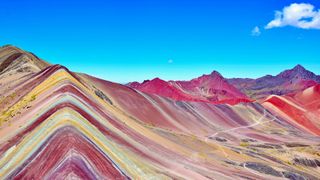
(286, 82)
(207, 88)
(215, 88)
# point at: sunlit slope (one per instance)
(301, 109)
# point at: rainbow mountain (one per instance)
(57, 124)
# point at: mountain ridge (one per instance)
(212, 88)
(286, 82)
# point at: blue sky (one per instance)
(130, 40)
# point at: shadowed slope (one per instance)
(13, 58)
(17, 66)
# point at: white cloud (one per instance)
(301, 15)
(255, 31)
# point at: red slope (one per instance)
(303, 107)
(211, 88)
(64, 141)
(166, 89)
(309, 98)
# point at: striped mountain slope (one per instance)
(56, 124)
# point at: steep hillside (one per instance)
(301, 109)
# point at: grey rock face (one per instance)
(262, 168)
